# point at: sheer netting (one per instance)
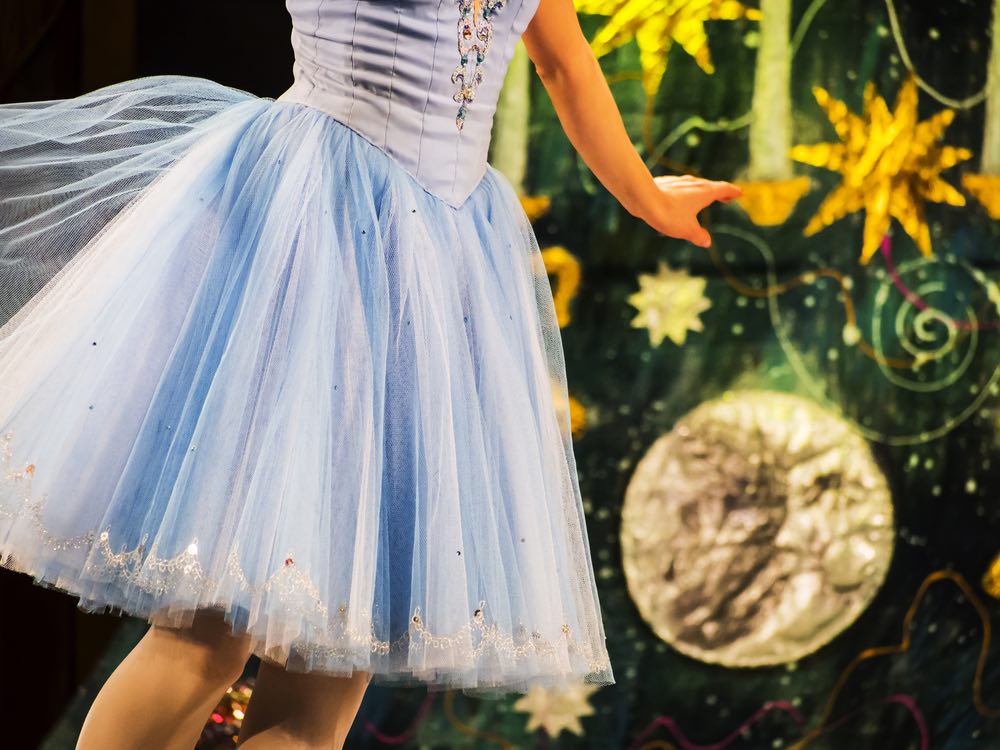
(250, 364)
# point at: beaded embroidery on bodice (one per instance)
(419, 79)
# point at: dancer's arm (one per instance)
(589, 115)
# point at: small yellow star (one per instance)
(890, 165)
(556, 710)
(656, 25)
(669, 303)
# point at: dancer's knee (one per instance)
(302, 710)
(208, 648)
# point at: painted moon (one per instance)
(756, 530)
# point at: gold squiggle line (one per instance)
(808, 277)
(904, 645)
(795, 360)
(470, 731)
(902, 363)
(736, 124)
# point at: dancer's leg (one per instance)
(163, 691)
(296, 711)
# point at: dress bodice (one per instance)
(420, 79)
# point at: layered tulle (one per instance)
(253, 366)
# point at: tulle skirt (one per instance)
(250, 365)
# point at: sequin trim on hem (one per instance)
(135, 566)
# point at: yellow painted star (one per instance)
(890, 165)
(656, 25)
(556, 710)
(669, 303)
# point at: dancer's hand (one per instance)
(673, 211)
(572, 76)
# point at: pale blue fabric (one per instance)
(303, 370)
(385, 69)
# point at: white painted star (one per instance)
(555, 710)
(669, 302)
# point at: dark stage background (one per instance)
(810, 556)
(60, 48)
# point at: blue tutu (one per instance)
(249, 363)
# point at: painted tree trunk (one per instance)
(771, 127)
(509, 144)
(991, 134)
